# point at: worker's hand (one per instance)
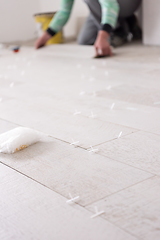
(102, 45)
(42, 40)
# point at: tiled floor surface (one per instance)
(112, 105)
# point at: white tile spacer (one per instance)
(11, 85)
(73, 199)
(82, 93)
(76, 112)
(97, 213)
(74, 143)
(92, 115)
(113, 104)
(91, 149)
(119, 134)
(108, 88)
(91, 79)
(94, 94)
(22, 73)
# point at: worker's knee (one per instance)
(81, 41)
(85, 41)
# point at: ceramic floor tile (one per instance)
(66, 169)
(132, 94)
(60, 124)
(140, 150)
(28, 210)
(123, 113)
(6, 126)
(116, 96)
(135, 209)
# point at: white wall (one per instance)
(16, 19)
(79, 12)
(151, 22)
(17, 22)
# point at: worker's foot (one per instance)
(118, 37)
(134, 27)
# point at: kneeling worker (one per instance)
(108, 24)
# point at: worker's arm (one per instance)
(58, 21)
(110, 11)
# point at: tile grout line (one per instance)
(120, 190)
(83, 148)
(18, 171)
(136, 130)
(101, 216)
(127, 164)
(83, 207)
(116, 138)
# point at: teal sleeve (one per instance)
(110, 11)
(62, 16)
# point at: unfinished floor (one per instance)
(111, 109)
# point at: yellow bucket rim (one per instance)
(41, 14)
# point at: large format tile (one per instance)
(140, 117)
(140, 149)
(133, 94)
(43, 89)
(66, 169)
(47, 66)
(60, 123)
(135, 209)
(29, 210)
(48, 73)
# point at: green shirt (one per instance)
(110, 10)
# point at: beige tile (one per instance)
(61, 124)
(50, 75)
(135, 209)
(133, 94)
(124, 113)
(6, 126)
(48, 86)
(139, 149)
(140, 117)
(66, 169)
(29, 210)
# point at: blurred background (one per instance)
(17, 22)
